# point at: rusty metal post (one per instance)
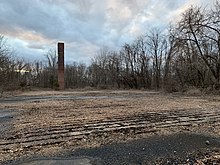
(61, 66)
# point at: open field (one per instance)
(48, 123)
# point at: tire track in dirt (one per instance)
(67, 123)
(138, 124)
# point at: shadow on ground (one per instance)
(173, 149)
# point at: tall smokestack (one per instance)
(61, 65)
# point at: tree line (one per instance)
(187, 54)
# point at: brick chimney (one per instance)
(61, 65)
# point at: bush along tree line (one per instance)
(185, 54)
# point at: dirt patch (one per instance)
(51, 123)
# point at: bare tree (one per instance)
(156, 47)
(199, 31)
(6, 66)
(51, 68)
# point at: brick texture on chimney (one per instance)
(61, 66)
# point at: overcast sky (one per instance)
(32, 27)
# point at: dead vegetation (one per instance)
(88, 119)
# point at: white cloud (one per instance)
(84, 25)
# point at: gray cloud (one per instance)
(84, 25)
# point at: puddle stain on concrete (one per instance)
(43, 98)
(6, 116)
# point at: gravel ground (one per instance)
(173, 149)
(47, 124)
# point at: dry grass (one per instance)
(118, 104)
